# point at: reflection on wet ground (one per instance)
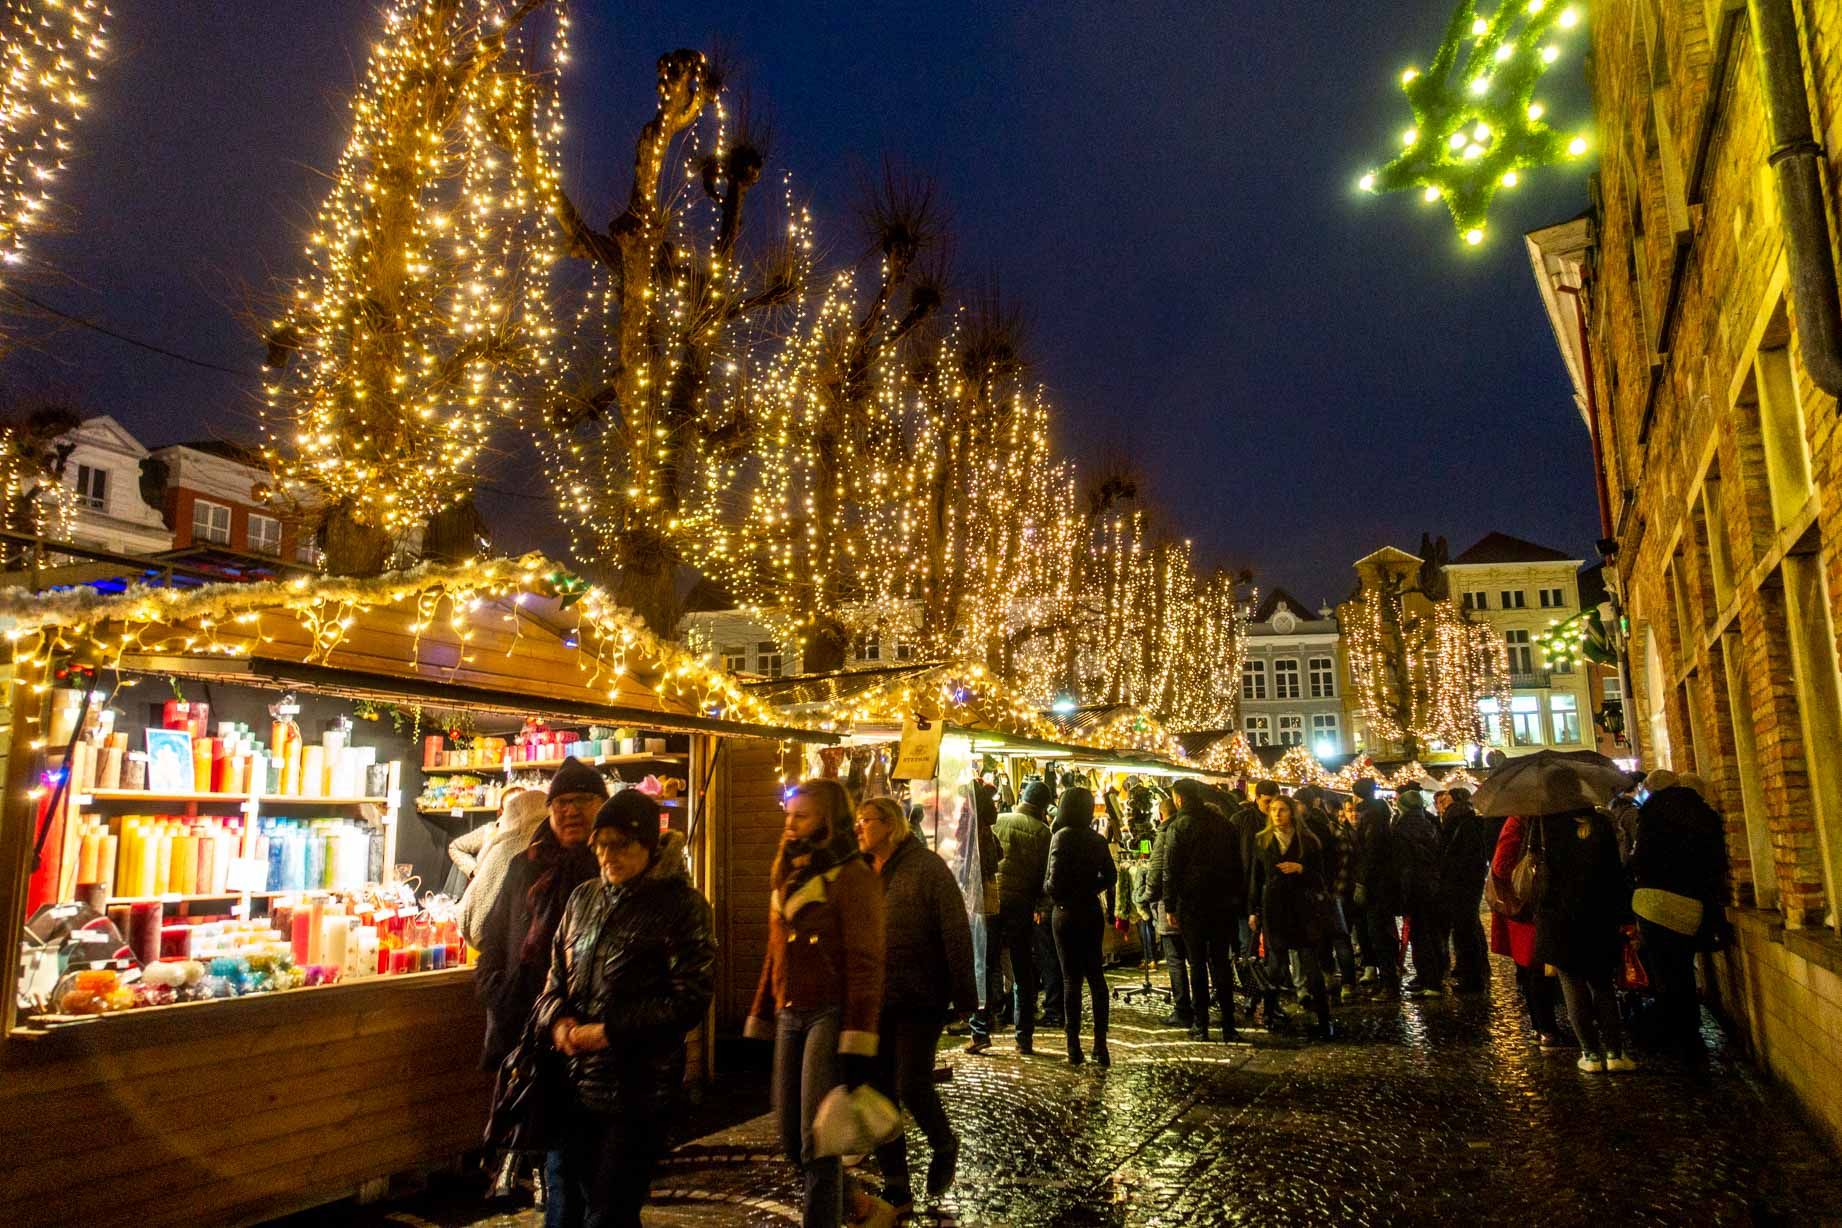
(1421, 1112)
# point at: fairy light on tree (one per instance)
(48, 53)
(1478, 127)
(423, 316)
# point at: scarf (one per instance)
(559, 872)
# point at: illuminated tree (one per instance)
(423, 317)
(35, 445)
(1419, 664)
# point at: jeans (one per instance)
(1312, 970)
(1048, 968)
(1012, 930)
(1078, 933)
(1592, 1008)
(806, 1067)
(1670, 958)
(987, 970)
(905, 1073)
(1176, 962)
(600, 1176)
(1336, 946)
(1538, 991)
(1426, 933)
(1210, 941)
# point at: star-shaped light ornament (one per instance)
(1478, 127)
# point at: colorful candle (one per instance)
(144, 925)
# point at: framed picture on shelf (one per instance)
(169, 761)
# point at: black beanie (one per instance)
(1038, 794)
(634, 815)
(576, 776)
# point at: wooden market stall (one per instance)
(240, 1108)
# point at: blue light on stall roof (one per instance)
(961, 695)
(1064, 705)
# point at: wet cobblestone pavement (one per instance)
(1439, 1111)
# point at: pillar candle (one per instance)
(175, 714)
(134, 770)
(316, 927)
(89, 853)
(313, 771)
(144, 930)
(175, 942)
(118, 915)
(162, 862)
(200, 713)
(220, 766)
(291, 770)
(111, 775)
(334, 940)
(206, 878)
(182, 877)
(300, 934)
(201, 765)
(106, 862)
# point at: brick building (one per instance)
(1696, 306)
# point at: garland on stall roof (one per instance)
(1477, 126)
(447, 598)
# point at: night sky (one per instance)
(1303, 372)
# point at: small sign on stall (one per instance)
(920, 749)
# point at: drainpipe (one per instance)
(1796, 162)
(1578, 294)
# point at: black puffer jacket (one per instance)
(927, 937)
(1466, 842)
(1080, 868)
(1681, 846)
(1205, 871)
(638, 958)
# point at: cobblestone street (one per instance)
(1424, 1112)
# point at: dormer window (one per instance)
(93, 488)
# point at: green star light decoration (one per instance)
(1477, 125)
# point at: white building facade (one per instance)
(1292, 678)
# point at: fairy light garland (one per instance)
(1419, 668)
(423, 317)
(1477, 126)
(48, 53)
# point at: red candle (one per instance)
(144, 930)
(175, 714)
(383, 960)
(301, 935)
(175, 942)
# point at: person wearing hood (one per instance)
(821, 989)
(1023, 840)
(927, 962)
(1679, 865)
(466, 849)
(1080, 871)
(1416, 847)
(632, 971)
(515, 937)
(1466, 843)
(1205, 886)
(1378, 887)
(500, 842)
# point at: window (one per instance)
(93, 488)
(1292, 730)
(1326, 733)
(1564, 714)
(1323, 678)
(1525, 720)
(306, 553)
(1285, 680)
(1259, 730)
(1253, 680)
(1477, 601)
(210, 522)
(735, 658)
(1521, 652)
(872, 647)
(768, 659)
(904, 651)
(1610, 690)
(1553, 599)
(1515, 599)
(264, 535)
(1493, 724)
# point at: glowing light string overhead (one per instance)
(47, 49)
(1477, 125)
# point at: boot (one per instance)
(1075, 1056)
(1101, 1055)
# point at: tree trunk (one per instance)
(352, 548)
(646, 581)
(827, 646)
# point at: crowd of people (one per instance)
(596, 954)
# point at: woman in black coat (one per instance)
(1080, 869)
(1583, 901)
(1289, 882)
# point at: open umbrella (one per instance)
(1550, 781)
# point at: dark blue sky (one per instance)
(1168, 189)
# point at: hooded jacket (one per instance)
(825, 948)
(1024, 837)
(1415, 839)
(1080, 867)
(1466, 842)
(1205, 872)
(506, 837)
(927, 945)
(638, 958)
(1154, 897)
(1377, 871)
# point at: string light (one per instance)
(1476, 126)
(48, 53)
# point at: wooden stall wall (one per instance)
(233, 1112)
(747, 834)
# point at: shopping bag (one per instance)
(853, 1121)
(527, 1098)
(1631, 973)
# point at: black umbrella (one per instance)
(1550, 781)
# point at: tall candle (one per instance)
(291, 770)
(111, 775)
(334, 942)
(183, 876)
(316, 928)
(201, 765)
(88, 857)
(300, 934)
(313, 771)
(106, 863)
(144, 930)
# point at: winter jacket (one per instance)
(504, 838)
(1515, 939)
(1080, 867)
(1415, 842)
(1248, 820)
(1205, 874)
(825, 948)
(1465, 847)
(639, 959)
(1292, 907)
(506, 982)
(1583, 898)
(1337, 861)
(1157, 881)
(1024, 839)
(1377, 872)
(1624, 810)
(1681, 847)
(927, 938)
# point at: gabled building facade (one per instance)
(107, 470)
(1292, 679)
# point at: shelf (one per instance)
(176, 898)
(448, 812)
(145, 795)
(482, 770)
(539, 765)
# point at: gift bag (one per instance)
(1631, 974)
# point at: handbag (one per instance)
(528, 1097)
(1631, 972)
(1518, 902)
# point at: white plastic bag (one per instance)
(854, 1123)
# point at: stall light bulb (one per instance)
(1480, 27)
(1481, 132)
(1505, 51)
(1407, 78)
(1367, 182)
(1569, 18)
(1511, 179)
(1550, 54)
(1432, 194)
(1536, 111)
(1536, 6)
(1410, 136)
(1474, 236)
(1481, 85)
(1577, 146)
(1473, 151)
(1457, 141)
